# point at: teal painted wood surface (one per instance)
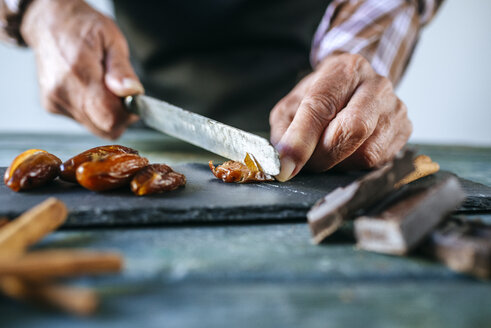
(256, 275)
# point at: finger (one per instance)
(56, 106)
(60, 110)
(93, 106)
(281, 116)
(59, 101)
(53, 104)
(105, 110)
(391, 135)
(283, 113)
(116, 78)
(82, 117)
(326, 97)
(120, 78)
(354, 124)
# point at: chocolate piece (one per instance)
(463, 246)
(423, 166)
(327, 215)
(402, 225)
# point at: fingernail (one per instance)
(287, 168)
(133, 85)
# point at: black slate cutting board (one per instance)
(204, 199)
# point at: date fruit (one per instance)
(109, 172)
(156, 178)
(33, 168)
(232, 171)
(68, 169)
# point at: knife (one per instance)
(216, 137)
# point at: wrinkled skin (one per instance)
(343, 114)
(83, 64)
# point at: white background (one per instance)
(447, 87)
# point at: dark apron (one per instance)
(231, 60)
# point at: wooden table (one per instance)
(255, 275)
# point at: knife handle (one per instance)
(130, 102)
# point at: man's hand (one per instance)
(83, 64)
(343, 115)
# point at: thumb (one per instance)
(120, 78)
(300, 139)
(332, 87)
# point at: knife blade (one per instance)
(216, 137)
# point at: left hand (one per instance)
(83, 64)
(343, 114)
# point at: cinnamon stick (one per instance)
(31, 226)
(3, 222)
(76, 300)
(41, 265)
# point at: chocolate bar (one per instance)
(402, 225)
(463, 245)
(327, 215)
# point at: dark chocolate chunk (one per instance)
(402, 225)
(462, 245)
(327, 215)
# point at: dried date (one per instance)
(156, 178)
(33, 168)
(109, 172)
(68, 169)
(232, 171)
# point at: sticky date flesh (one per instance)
(232, 171)
(156, 178)
(109, 172)
(98, 169)
(68, 169)
(33, 168)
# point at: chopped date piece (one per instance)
(156, 178)
(232, 171)
(33, 168)
(68, 169)
(110, 172)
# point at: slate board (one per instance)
(204, 199)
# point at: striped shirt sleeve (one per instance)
(385, 32)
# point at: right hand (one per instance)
(343, 114)
(83, 64)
